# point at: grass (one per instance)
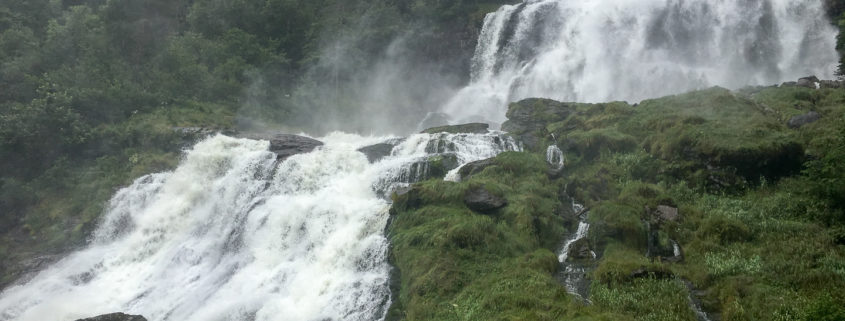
(755, 243)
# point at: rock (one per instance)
(789, 84)
(475, 167)
(667, 213)
(471, 128)
(801, 120)
(832, 84)
(376, 152)
(580, 250)
(808, 82)
(480, 200)
(653, 273)
(434, 120)
(285, 145)
(115, 317)
(527, 119)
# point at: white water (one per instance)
(233, 235)
(554, 156)
(574, 274)
(597, 51)
(583, 228)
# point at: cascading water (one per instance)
(233, 235)
(573, 274)
(597, 51)
(554, 156)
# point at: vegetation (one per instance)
(760, 225)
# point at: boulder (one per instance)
(471, 128)
(789, 84)
(580, 250)
(115, 317)
(475, 167)
(808, 82)
(667, 213)
(481, 200)
(652, 273)
(285, 145)
(376, 152)
(801, 120)
(527, 119)
(832, 84)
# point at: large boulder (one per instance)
(527, 119)
(471, 128)
(580, 250)
(801, 120)
(381, 150)
(285, 145)
(667, 213)
(475, 167)
(808, 82)
(115, 317)
(481, 200)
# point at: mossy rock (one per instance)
(471, 128)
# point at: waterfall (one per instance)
(574, 273)
(232, 234)
(554, 156)
(597, 51)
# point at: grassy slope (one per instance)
(757, 244)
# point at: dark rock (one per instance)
(475, 167)
(667, 213)
(434, 120)
(527, 119)
(801, 120)
(652, 273)
(480, 200)
(789, 84)
(376, 152)
(115, 317)
(832, 84)
(580, 250)
(471, 128)
(194, 131)
(807, 82)
(285, 145)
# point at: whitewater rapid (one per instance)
(630, 50)
(232, 234)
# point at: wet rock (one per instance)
(434, 120)
(832, 84)
(471, 128)
(527, 119)
(285, 145)
(789, 84)
(481, 200)
(801, 120)
(668, 213)
(808, 82)
(580, 250)
(652, 273)
(376, 152)
(115, 317)
(475, 167)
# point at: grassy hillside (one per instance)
(760, 225)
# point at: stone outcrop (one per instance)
(471, 128)
(527, 119)
(801, 120)
(115, 317)
(475, 167)
(285, 145)
(481, 200)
